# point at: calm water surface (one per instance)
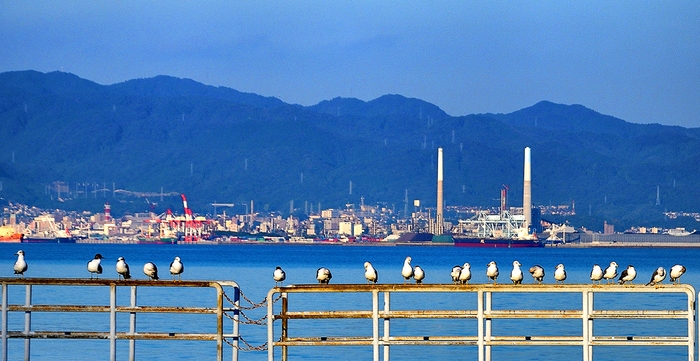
(251, 267)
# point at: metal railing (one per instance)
(32, 285)
(483, 313)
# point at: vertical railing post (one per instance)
(220, 323)
(585, 323)
(691, 325)
(487, 336)
(4, 321)
(386, 326)
(132, 325)
(113, 322)
(285, 308)
(236, 323)
(27, 322)
(375, 325)
(270, 327)
(480, 323)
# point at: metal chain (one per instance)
(253, 304)
(248, 347)
(248, 320)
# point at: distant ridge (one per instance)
(216, 143)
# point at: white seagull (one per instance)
(657, 277)
(537, 273)
(370, 273)
(150, 270)
(560, 273)
(456, 271)
(516, 275)
(492, 271)
(21, 264)
(418, 274)
(278, 275)
(596, 274)
(628, 275)
(323, 275)
(674, 276)
(610, 272)
(407, 270)
(123, 269)
(176, 268)
(94, 266)
(465, 274)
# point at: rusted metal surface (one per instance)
(112, 309)
(483, 314)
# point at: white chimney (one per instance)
(527, 190)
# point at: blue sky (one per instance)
(636, 60)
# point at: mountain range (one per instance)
(64, 134)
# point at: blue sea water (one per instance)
(251, 267)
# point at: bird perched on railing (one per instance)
(537, 273)
(323, 275)
(492, 271)
(628, 275)
(123, 269)
(456, 271)
(657, 277)
(516, 274)
(418, 274)
(610, 272)
(94, 266)
(278, 275)
(371, 274)
(465, 274)
(20, 265)
(176, 268)
(150, 270)
(596, 274)
(407, 270)
(676, 272)
(560, 273)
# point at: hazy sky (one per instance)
(636, 60)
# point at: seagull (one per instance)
(657, 277)
(537, 273)
(418, 274)
(278, 275)
(176, 268)
(610, 272)
(407, 270)
(560, 273)
(150, 270)
(123, 268)
(323, 275)
(492, 271)
(465, 274)
(628, 275)
(456, 272)
(676, 272)
(94, 266)
(370, 273)
(516, 275)
(596, 274)
(21, 264)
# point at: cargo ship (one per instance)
(9, 235)
(45, 230)
(503, 230)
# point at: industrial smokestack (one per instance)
(527, 190)
(439, 193)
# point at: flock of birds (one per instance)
(459, 274)
(94, 266)
(462, 274)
